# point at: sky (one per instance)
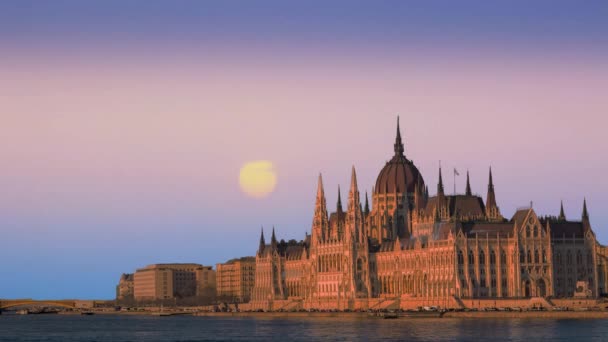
(124, 124)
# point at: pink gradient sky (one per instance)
(117, 156)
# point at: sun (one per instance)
(258, 178)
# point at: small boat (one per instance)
(385, 315)
(87, 313)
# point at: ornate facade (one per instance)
(412, 247)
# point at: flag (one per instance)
(456, 172)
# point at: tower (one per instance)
(492, 211)
(320, 222)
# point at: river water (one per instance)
(66, 328)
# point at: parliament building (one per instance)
(406, 248)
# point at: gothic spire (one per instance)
(491, 197)
(585, 212)
(398, 143)
(440, 184)
(562, 215)
(491, 182)
(273, 240)
(366, 204)
(320, 191)
(468, 193)
(339, 204)
(320, 222)
(262, 241)
(353, 181)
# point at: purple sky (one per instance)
(124, 126)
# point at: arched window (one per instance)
(535, 232)
(492, 258)
(522, 256)
(529, 257)
(482, 258)
(544, 256)
(527, 231)
(503, 257)
(460, 258)
(471, 258)
(536, 258)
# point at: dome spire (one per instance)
(398, 143)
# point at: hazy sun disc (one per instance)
(258, 178)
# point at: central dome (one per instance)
(399, 173)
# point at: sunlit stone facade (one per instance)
(235, 278)
(413, 248)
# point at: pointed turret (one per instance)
(398, 143)
(273, 240)
(320, 191)
(585, 212)
(440, 183)
(320, 221)
(468, 191)
(339, 204)
(491, 207)
(562, 215)
(353, 181)
(354, 224)
(366, 210)
(262, 242)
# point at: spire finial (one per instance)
(339, 204)
(585, 212)
(366, 204)
(491, 182)
(468, 193)
(562, 215)
(398, 143)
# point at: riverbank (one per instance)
(411, 315)
(529, 314)
(365, 315)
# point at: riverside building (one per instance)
(407, 248)
(235, 279)
(168, 281)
